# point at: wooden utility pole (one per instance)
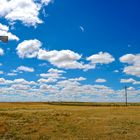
(125, 95)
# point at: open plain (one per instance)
(69, 121)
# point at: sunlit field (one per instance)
(72, 121)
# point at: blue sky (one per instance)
(69, 50)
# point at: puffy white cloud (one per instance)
(101, 58)
(52, 70)
(20, 87)
(49, 80)
(28, 48)
(131, 88)
(64, 59)
(26, 11)
(65, 90)
(68, 83)
(1, 52)
(17, 81)
(52, 76)
(20, 81)
(128, 58)
(74, 88)
(49, 89)
(100, 80)
(46, 75)
(4, 27)
(78, 79)
(130, 80)
(24, 68)
(4, 31)
(2, 81)
(56, 57)
(134, 62)
(132, 70)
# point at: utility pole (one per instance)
(125, 95)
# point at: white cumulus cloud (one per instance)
(64, 59)
(28, 48)
(100, 80)
(134, 64)
(24, 68)
(130, 80)
(26, 11)
(4, 31)
(51, 76)
(101, 58)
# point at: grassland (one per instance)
(69, 121)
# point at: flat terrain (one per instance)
(43, 121)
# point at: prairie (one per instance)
(69, 121)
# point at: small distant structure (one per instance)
(4, 39)
(125, 95)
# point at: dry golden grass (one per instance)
(41, 121)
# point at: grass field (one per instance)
(69, 121)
